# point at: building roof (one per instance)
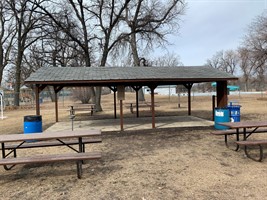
(132, 76)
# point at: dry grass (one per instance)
(157, 164)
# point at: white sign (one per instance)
(219, 113)
(1, 92)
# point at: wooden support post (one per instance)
(136, 89)
(189, 101)
(189, 86)
(221, 94)
(152, 88)
(56, 106)
(37, 93)
(115, 105)
(213, 106)
(114, 90)
(137, 103)
(38, 89)
(121, 97)
(56, 91)
(121, 114)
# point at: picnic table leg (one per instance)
(248, 155)
(80, 162)
(225, 140)
(131, 108)
(244, 134)
(237, 139)
(79, 169)
(80, 145)
(92, 110)
(4, 156)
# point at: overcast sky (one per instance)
(209, 26)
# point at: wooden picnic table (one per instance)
(245, 125)
(141, 104)
(247, 129)
(83, 107)
(60, 137)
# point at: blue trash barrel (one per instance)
(221, 115)
(234, 112)
(33, 124)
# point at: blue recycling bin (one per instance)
(234, 112)
(33, 124)
(221, 115)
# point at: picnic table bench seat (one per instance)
(228, 132)
(78, 157)
(233, 131)
(250, 143)
(224, 132)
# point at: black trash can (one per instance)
(33, 124)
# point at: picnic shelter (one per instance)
(135, 77)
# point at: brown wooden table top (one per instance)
(244, 124)
(49, 135)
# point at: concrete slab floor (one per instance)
(141, 123)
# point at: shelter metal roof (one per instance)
(109, 76)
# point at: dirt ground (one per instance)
(175, 163)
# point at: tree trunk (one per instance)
(1, 63)
(141, 96)
(51, 92)
(98, 90)
(98, 99)
(18, 78)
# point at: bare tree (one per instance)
(26, 21)
(70, 19)
(224, 60)
(7, 34)
(81, 19)
(100, 25)
(247, 65)
(230, 61)
(82, 94)
(256, 42)
(108, 15)
(150, 22)
(215, 61)
(167, 60)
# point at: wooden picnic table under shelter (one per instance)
(135, 77)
